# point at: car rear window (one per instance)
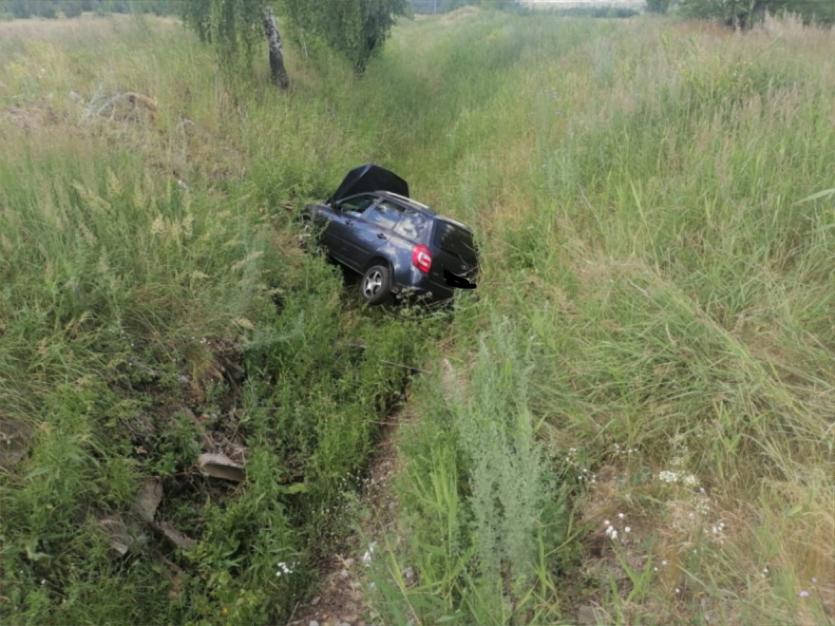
(412, 225)
(456, 241)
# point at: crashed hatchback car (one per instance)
(399, 246)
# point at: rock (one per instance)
(220, 466)
(173, 535)
(148, 498)
(118, 534)
(588, 615)
(313, 622)
(14, 442)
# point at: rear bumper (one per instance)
(415, 284)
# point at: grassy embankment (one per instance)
(654, 337)
(154, 306)
(656, 298)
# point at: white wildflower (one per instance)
(690, 480)
(674, 476)
(369, 554)
(804, 594)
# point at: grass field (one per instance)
(632, 423)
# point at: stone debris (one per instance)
(220, 466)
(173, 535)
(119, 536)
(148, 498)
(14, 442)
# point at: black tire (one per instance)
(375, 286)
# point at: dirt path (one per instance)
(340, 600)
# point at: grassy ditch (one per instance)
(651, 347)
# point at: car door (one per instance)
(372, 233)
(342, 220)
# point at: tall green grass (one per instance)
(155, 305)
(660, 288)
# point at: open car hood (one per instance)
(367, 178)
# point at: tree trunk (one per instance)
(277, 69)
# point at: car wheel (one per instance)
(375, 286)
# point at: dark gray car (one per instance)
(399, 246)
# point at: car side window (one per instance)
(385, 214)
(412, 225)
(357, 204)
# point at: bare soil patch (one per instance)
(341, 599)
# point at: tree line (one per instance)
(746, 13)
(356, 29)
(74, 8)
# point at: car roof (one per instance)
(449, 220)
(408, 202)
(419, 206)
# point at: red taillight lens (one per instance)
(422, 258)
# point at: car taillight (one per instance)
(422, 258)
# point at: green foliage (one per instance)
(649, 284)
(745, 13)
(356, 29)
(74, 8)
(233, 27)
(146, 319)
(658, 6)
(438, 6)
(647, 278)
